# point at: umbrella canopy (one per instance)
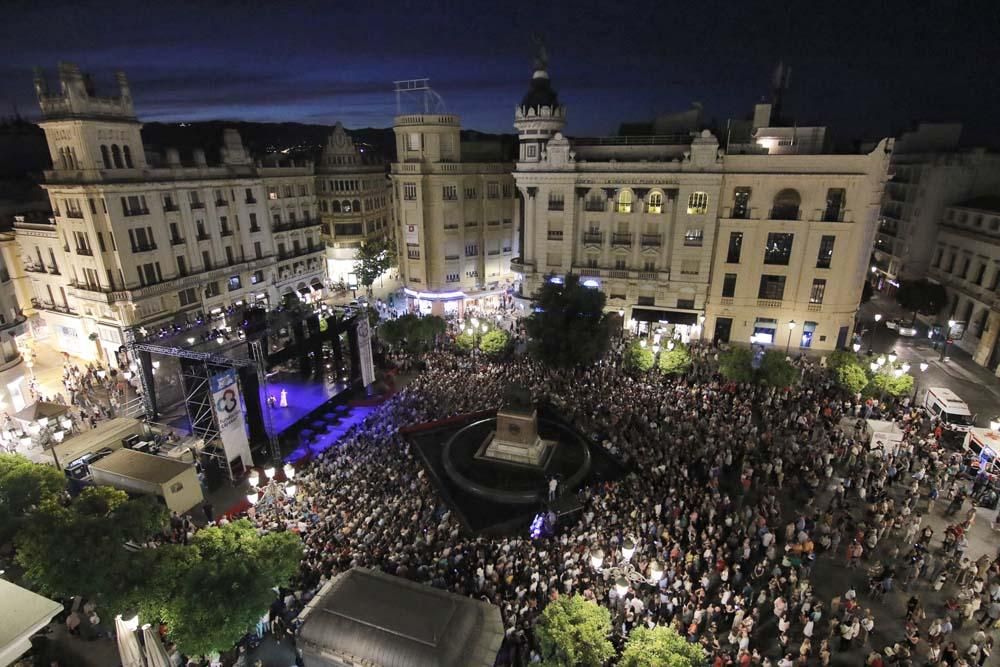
(128, 642)
(156, 654)
(38, 409)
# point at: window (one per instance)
(620, 264)
(980, 274)
(168, 203)
(965, 267)
(409, 192)
(470, 193)
(834, 205)
(128, 156)
(194, 199)
(471, 250)
(254, 227)
(248, 194)
(687, 304)
(116, 154)
(256, 277)
(413, 141)
(786, 205)
(106, 157)
(825, 256)
(778, 249)
(188, 296)
(741, 203)
(303, 190)
(286, 191)
(818, 290)
(182, 269)
(451, 278)
(508, 190)
(206, 260)
(937, 258)
(655, 203)
(729, 285)
(625, 201)
(808, 329)
(211, 289)
(257, 251)
(690, 267)
(493, 190)
(735, 247)
(694, 237)
(556, 201)
(771, 287)
(951, 262)
(449, 192)
(530, 150)
(697, 203)
(234, 283)
(100, 243)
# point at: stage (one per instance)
(304, 396)
(324, 441)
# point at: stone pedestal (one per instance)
(516, 440)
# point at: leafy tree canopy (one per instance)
(839, 358)
(921, 296)
(660, 646)
(24, 485)
(411, 332)
(374, 258)
(494, 342)
(638, 358)
(568, 326)
(889, 384)
(851, 376)
(736, 364)
(573, 632)
(676, 361)
(776, 371)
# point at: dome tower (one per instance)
(539, 116)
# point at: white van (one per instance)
(945, 405)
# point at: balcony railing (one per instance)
(622, 240)
(74, 214)
(555, 234)
(651, 241)
(197, 204)
(34, 268)
(176, 241)
(449, 258)
(251, 200)
(132, 212)
(171, 208)
(290, 254)
(221, 202)
(143, 247)
(595, 238)
(594, 206)
(298, 224)
(451, 227)
(202, 236)
(769, 303)
(556, 205)
(226, 232)
(87, 252)
(255, 229)
(54, 270)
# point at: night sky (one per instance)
(864, 68)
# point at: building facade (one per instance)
(965, 259)
(355, 203)
(455, 218)
(684, 237)
(137, 244)
(929, 173)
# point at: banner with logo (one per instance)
(229, 413)
(365, 351)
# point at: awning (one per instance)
(304, 291)
(671, 316)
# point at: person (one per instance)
(284, 399)
(553, 488)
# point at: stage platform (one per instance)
(304, 396)
(324, 441)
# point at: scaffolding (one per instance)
(196, 381)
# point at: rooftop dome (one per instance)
(541, 93)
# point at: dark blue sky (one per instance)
(865, 68)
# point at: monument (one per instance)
(515, 439)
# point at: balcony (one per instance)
(221, 202)
(197, 204)
(250, 200)
(77, 215)
(651, 241)
(226, 232)
(298, 224)
(54, 270)
(143, 247)
(34, 268)
(518, 265)
(48, 305)
(769, 303)
(472, 224)
(621, 240)
(449, 258)
(177, 241)
(726, 300)
(593, 238)
(493, 252)
(255, 229)
(815, 307)
(202, 236)
(594, 206)
(493, 223)
(171, 208)
(648, 275)
(300, 252)
(133, 212)
(86, 252)
(617, 273)
(453, 227)
(555, 235)
(590, 272)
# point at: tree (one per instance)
(638, 357)
(412, 333)
(839, 358)
(736, 364)
(568, 326)
(921, 296)
(776, 371)
(851, 376)
(374, 258)
(573, 632)
(23, 486)
(465, 342)
(494, 342)
(213, 593)
(886, 383)
(675, 361)
(660, 646)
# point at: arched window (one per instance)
(625, 201)
(128, 156)
(357, 206)
(62, 159)
(697, 203)
(655, 203)
(336, 206)
(786, 205)
(106, 156)
(345, 206)
(116, 154)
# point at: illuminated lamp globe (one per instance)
(628, 548)
(621, 586)
(597, 558)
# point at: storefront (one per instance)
(682, 325)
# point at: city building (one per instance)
(14, 391)
(966, 261)
(355, 203)
(766, 245)
(136, 242)
(455, 212)
(929, 172)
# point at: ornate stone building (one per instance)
(683, 237)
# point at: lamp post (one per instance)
(871, 336)
(916, 380)
(856, 347)
(788, 343)
(625, 574)
(274, 491)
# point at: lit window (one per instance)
(655, 203)
(625, 201)
(694, 237)
(697, 203)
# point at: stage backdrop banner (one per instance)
(365, 351)
(229, 413)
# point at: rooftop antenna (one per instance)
(421, 91)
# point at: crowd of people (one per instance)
(740, 491)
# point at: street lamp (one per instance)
(626, 574)
(947, 339)
(916, 381)
(881, 360)
(856, 347)
(892, 357)
(788, 344)
(273, 492)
